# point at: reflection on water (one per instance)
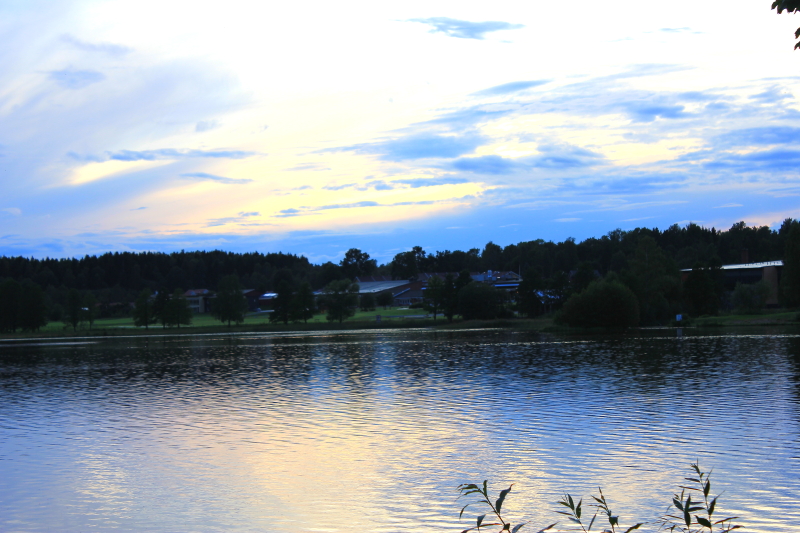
(373, 431)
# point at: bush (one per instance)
(479, 301)
(750, 298)
(604, 304)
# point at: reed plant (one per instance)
(694, 510)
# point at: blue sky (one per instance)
(314, 127)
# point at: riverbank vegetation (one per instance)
(693, 510)
(574, 283)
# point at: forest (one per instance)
(646, 260)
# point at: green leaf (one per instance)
(517, 527)
(637, 526)
(485, 490)
(462, 511)
(707, 488)
(503, 493)
(712, 506)
(677, 503)
(578, 509)
(480, 519)
(703, 522)
(613, 520)
(571, 502)
(551, 526)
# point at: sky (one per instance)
(314, 127)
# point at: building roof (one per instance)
(372, 287)
(745, 266)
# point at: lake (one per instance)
(374, 430)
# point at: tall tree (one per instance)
(791, 6)
(73, 312)
(303, 304)
(790, 277)
(434, 295)
(160, 306)
(10, 302)
(282, 305)
(449, 297)
(33, 308)
(177, 311)
(341, 298)
(143, 314)
(357, 263)
(230, 303)
(89, 308)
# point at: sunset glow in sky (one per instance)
(314, 127)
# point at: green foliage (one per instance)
(357, 263)
(655, 279)
(449, 297)
(73, 311)
(604, 304)
(790, 277)
(32, 308)
(303, 304)
(367, 302)
(10, 303)
(751, 297)
(479, 301)
(230, 303)
(688, 516)
(177, 311)
(434, 295)
(88, 309)
(495, 509)
(790, 6)
(341, 298)
(143, 312)
(385, 299)
(282, 304)
(530, 294)
(701, 291)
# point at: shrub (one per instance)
(750, 298)
(604, 304)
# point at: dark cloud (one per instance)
(106, 48)
(219, 179)
(76, 79)
(169, 153)
(465, 29)
(513, 87)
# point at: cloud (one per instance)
(760, 136)
(416, 183)
(777, 160)
(421, 146)
(206, 125)
(138, 208)
(250, 214)
(643, 112)
(726, 206)
(465, 29)
(567, 219)
(76, 79)
(554, 157)
(219, 179)
(16, 211)
(169, 153)
(513, 87)
(106, 48)
(308, 166)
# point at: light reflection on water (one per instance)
(373, 431)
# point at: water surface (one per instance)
(372, 431)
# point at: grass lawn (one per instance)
(392, 314)
(776, 317)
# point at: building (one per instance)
(199, 300)
(749, 273)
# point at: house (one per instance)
(749, 273)
(252, 296)
(198, 300)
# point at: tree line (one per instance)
(647, 261)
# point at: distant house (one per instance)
(198, 300)
(749, 273)
(252, 296)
